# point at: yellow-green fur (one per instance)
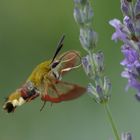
(13, 96)
(39, 73)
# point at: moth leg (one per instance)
(51, 104)
(52, 83)
(32, 97)
(42, 107)
(55, 89)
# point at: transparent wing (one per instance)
(70, 60)
(66, 62)
(63, 91)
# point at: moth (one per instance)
(46, 81)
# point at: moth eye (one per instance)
(54, 64)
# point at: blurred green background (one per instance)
(29, 32)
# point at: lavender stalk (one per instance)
(93, 63)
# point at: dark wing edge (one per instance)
(63, 91)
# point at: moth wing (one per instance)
(70, 60)
(63, 91)
(67, 61)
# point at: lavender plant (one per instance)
(93, 63)
(126, 136)
(129, 33)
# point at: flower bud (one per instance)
(126, 136)
(107, 86)
(87, 67)
(99, 61)
(78, 16)
(88, 39)
(88, 13)
(125, 7)
(80, 2)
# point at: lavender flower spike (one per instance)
(99, 86)
(129, 33)
(93, 63)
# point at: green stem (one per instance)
(110, 118)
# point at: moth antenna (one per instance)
(59, 46)
(43, 106)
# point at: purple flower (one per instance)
(129, 33)
(131, 64)
(120, 31)
(131, 57)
